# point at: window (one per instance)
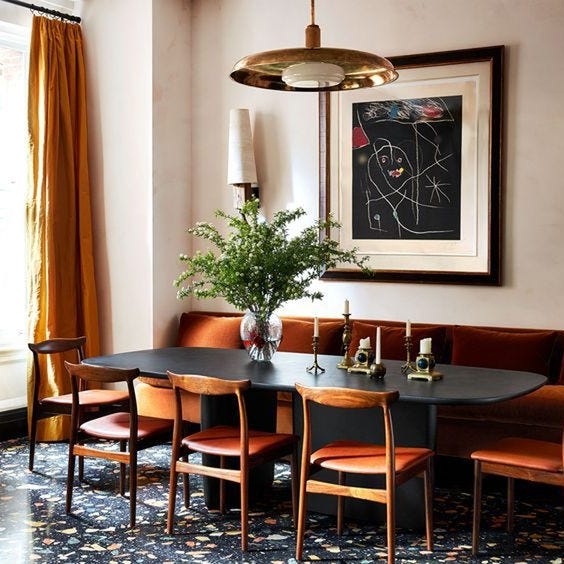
(13, 184)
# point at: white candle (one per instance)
(364, 343)
(408, 328)
(378, 346)
(315, 327)
(425, 346)
(346, 307)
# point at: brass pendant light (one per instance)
(313, 68)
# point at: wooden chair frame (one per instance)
(512, 473)
(41, 410)
(95, 401)
(207, 385)
(128, 449)
(358, 399)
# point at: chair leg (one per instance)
(70, 477)
(391, 521)
(81, 468)
(186, 484)
(510, 503)
(295, 486)
(244, 510)
(301, 515)
(172, 496)
(477, 506)
(340, 502)
(222, 488)
(122, 470)
(32, 435)
(132, 487)
(428, 482)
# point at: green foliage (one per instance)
(258, 266)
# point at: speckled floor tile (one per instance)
(34, 526)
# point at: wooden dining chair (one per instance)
(131, 431)
(397, 464)
(249, 447)
(515, 458)
(51, 406)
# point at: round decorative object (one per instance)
(361, 356)
(422, 363)
(261, 335)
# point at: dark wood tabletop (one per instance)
(459, 385)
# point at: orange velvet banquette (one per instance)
(461, 429)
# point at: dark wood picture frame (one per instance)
(490, 273)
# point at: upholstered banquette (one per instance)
(461, 429)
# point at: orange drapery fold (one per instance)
(62, 288)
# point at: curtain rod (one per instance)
(43, 10)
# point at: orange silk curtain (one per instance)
(62, 289)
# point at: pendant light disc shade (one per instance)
(284, 69)
(313, 75)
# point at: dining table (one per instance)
(414, 415)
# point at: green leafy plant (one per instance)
(258, 266)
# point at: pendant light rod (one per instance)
(41, 9)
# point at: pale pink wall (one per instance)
(285, 135)
(118, 39)
(159, 164)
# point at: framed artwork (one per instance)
(412, 170)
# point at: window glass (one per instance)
(13, 184)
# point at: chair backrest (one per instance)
(210, 386)
(53, 346)
(88, 373)
(349, 399)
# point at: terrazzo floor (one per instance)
(35, 528)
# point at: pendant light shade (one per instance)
(313, 68)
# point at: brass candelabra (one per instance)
(347, 361)
(315, 368)
(408, 364)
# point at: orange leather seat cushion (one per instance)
(201, 330)
(297, 336)
(393, 339)
(365, 458)
(226, 441)
(527, 453)
(90, 398)
(116, 426)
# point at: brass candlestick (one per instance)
(315, 368)
(408, 364)
(347, 361)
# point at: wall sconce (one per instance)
(241, 168)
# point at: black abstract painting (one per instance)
(406, 176)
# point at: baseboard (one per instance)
(13, 423)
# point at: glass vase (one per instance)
(261, 335)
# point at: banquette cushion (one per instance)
(393, 339)
(297, 336)
(201, 330)
(511, 350)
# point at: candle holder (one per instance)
(425, 368)
(377, 370)
(347, 336)
(408, 364)
(315, 368)
(363, 358)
